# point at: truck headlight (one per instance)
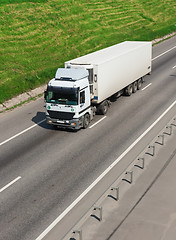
(49, 121)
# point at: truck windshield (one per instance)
(62, 98)
(62, 95)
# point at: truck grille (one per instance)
(61, 115)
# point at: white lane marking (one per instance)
(97, 122)
(163, 53)
(146, 86)
(9, 184)
(62, 215)
(18, 134)
(174, 67)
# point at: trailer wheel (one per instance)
(86, 121)
(128, 90)
(103, 108)
(139, 84)
(134, 86)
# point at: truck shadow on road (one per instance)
(39, 119)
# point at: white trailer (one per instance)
(95, 78)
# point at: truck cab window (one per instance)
(65, 98)
(82, 97)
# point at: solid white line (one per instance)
(97, 122)
(18, 134)
(174, 66)
(146, 86)
(163, 53)
(9, 184)
(60, 217)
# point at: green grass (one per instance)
(37, 37)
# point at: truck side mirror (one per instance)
(45, 94)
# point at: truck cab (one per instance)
(68, 99)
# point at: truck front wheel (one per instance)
(86, 121)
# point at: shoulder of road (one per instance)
(33, 94)
(22, 98)
(146, 208)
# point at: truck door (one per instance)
(84, 101)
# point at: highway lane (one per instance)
(56, 166)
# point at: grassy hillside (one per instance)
(36, 37)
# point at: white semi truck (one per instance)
(86, 85)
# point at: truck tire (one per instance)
(103, 108)
(139, 84)
(134, 86)
(128, 90)
(86, 121)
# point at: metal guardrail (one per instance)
(127, 175)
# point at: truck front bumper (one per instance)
(72, 124)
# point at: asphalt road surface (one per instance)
(43, 170)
